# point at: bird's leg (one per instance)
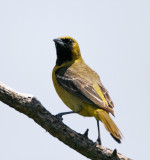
(64, 113)
(99, 137)
(59, 115)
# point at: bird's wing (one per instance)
(86, 91)
(106, 95)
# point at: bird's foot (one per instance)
(59, 116)
(98, 142)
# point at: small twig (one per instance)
(114, 155)
(86, 133)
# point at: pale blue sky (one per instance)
(114, 38)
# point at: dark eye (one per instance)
(67, 41)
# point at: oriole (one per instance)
(80, 87)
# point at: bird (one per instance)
(80, 88)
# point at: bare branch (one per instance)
(30, 106)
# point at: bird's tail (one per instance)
(109, 125)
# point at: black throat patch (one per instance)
(63, 55)
(64, 51)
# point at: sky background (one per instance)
(114, 38)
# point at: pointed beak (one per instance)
(58, 41)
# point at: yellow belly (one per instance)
(73, 102)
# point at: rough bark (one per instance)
(31, 107)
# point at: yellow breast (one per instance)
(73, 102)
